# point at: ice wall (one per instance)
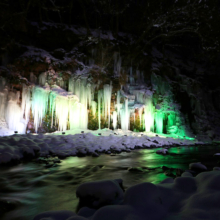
(69, 110)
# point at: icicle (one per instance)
(13, 114)
(114, 119)
(118, 104)
(26, 102)
(52, 101)
(100, 97)
(107, 93)
(134, 116)
(94, 106)
(33, 78)
(149, 115)
(125, 116)
(61, 109)
(89, 93)
(171, 119)
(159, 122)
(39, 105)
(74, 112)
(3, 102)
(43, 78)
(61, 82)
(84, 91)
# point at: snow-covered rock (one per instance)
(55, 215)
(97, 194)
(197, 167)
(162, 151)
(186, 174)
(74, 143)
(184, 198)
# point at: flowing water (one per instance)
(29, 188)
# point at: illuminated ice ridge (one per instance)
(69, 110)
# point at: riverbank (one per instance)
(16, 148)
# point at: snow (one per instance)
(184, 198)
(81, 142)
(197, 166)
(162, 151)
(110, 193)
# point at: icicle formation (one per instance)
(67, 109)
(149, 115)
(114, 120)
(52, 102)
(43, 78)
(26, 102)
(104, 100)
(93, 107)
(13, 114)
(39, 105)
(107, 94)
(84, 91)
(3, 97)
(100, 97)
(74, 113)
(61, 110)
(125, 116)
(118, 104)
(159, 122)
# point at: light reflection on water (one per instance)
(33, 189)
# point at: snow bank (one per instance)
(184, 198)
(73, 143)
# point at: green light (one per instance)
(159, 122)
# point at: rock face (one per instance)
(168, 52)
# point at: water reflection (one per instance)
(31, 188)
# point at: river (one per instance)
(29, 188)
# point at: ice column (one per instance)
(149, 115)
(114, 119)
(42, 78)
(13, 114)
(107, 93)
(100, 97)
(39, 105)
(118, 104)
(74, 112)
(125, 116)
(3, 102)
(26, 102)
(159, 122)
(52, 103)
(84, 91)
(93, 107)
